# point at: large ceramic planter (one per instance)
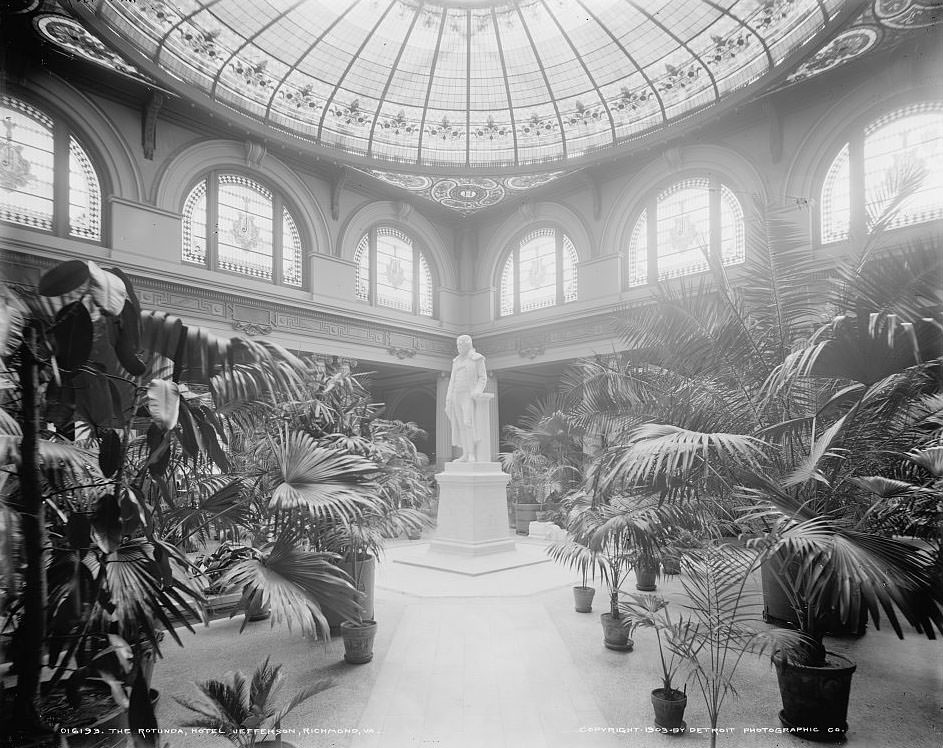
(614, 633)
(583, 599)
(645, 575)
(669, 711)
(524, 514)
(366, 570)
(778, 611)
(671, 565)
(358, 640)
(815, 699)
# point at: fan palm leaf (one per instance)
(320, 481)
(295, 584)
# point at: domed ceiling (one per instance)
(463, 85)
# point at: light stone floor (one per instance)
(502, 660)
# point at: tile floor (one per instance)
(503, 661)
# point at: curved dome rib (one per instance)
(684, 45)
(543, 73)
(353, 61)
(389, 80)
(641, 71)
(293, 67)
(507, 85)
(589, 74)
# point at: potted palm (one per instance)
(245, 711)
(651, 611)
(103, 577)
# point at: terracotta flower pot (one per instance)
(615, 635)
(669, 710)
(583, 599)
(358, 640)
(815, 699)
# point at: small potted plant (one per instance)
(651, 611)
(247, 716)
(587, 562)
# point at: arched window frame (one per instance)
(642, 268)
(508, 283)
(280, 206)
(850, 162)
(424, 274)
(68, 144)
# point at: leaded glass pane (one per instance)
(836, 199)
(194, 225)
(245, 227)
(638, 252)
(84, 194)
(292, 253)
(26, 165)
(507, 287)
(570, 262)
(683, 228)
(362, 258)
(732, 230)
(425, 286)
(907, 141)
(537, 265)
(394, 282)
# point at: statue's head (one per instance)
(463, 343)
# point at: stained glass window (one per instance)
(689, 221)
(902, 151)
(907, 142)
(836, 199)
(84, 194)
(194, 225)
(43, 184)
(256, 233)
(393, 272)
(638, 252)
(539, 272)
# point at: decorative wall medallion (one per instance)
(531, 349)
(904, 14)
(851, 43)
(464, 194)
(71, 36)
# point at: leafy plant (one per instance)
(244, 712)
(723, 624)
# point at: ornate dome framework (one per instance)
(463, 86)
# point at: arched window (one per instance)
(47, 180)
(393, 272)
(257, 235)
(867, 173)
(681, 227)
(540, 271)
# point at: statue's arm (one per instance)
(481, 376)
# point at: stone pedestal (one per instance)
(473, 515)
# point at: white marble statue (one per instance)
(466, 390)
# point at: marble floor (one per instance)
(503, 660)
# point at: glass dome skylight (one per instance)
(464, 84)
